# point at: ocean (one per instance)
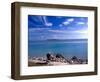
(68, 48)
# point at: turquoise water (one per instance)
(66, 48)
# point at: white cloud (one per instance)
(81, 31)
(70, 32)
(70, 20)
(80, 23)
(66, 22)
(37, 29)
(65, 34)
(46, 22)
(57, 31)
(42, 19)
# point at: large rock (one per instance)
(75, 60)
(50, 57)
(59, 56)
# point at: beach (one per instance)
(54, 60)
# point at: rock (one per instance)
(59, 56)
(50, 57)
(75, 60)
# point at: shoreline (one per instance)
(53, 60)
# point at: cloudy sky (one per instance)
(57, 27)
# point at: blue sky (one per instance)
(57, 27)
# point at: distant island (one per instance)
(63, 40)
(67, 39)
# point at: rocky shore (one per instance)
(54, 59)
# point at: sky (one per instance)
(57, 27)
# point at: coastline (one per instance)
(54, 60)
